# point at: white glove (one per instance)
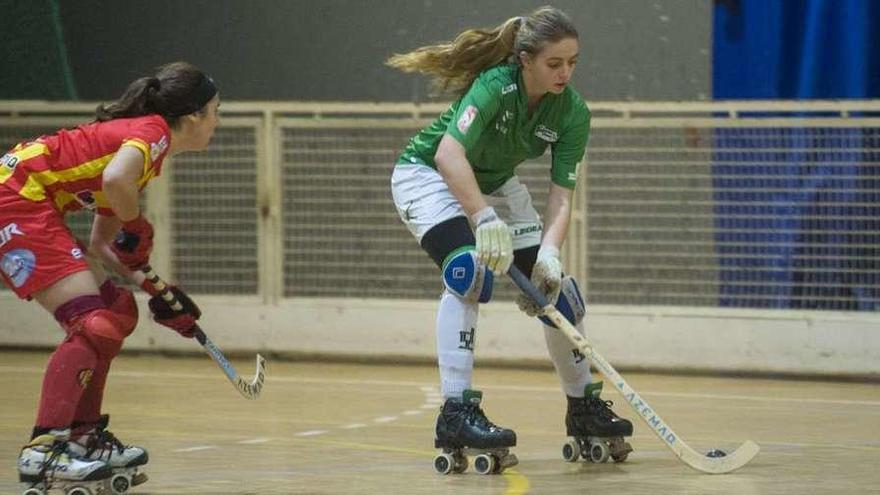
(547, 277)
(494, 242)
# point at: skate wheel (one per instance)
(461, 464)
(599, 452)
(119, 484)
(139, 479)
(33, 491)
(571, 451)
(444, 463)
(485, 464)
(78, 490)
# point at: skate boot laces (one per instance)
(54, 453)
(601, 408)
(474, 415)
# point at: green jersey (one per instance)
(492, 123)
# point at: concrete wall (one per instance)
(655, 338)
(334, 49)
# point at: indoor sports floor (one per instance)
(349, 429)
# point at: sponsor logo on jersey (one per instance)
(467, 118)
(158, 147)
(508, 89)
(77, 253)
(7, 232)
(9, 161)
(18, 265)
(502, 125)
(547, 134)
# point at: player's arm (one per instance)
(120, 182)
(134, 242)
(453, 165)
(557, 216)
(104, 230)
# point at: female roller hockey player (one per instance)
(513, 102)
(101, 166)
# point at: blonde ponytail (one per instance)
(454, 66)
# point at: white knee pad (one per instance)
(465, 277)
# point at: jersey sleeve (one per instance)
(475, 112)
(152, 138)
(568, 151)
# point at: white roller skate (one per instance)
(97, 443)
(46, 463)
(463, 429)
(595, 432)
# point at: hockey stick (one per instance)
(248, 390)
(713, 465)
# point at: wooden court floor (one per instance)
(348, 429)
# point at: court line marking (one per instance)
(252, 441)
(196, 448)
(422, 385)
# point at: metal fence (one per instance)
(768, 204)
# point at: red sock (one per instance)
(89, 409)
(69, 372)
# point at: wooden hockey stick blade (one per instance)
(713, 465)
(250, 390)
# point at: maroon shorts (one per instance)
(36, 247)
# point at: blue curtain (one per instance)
(797, 210)
(781, 49)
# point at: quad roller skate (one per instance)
(463, 430)
(595, 432)
(94, 441)
(46, 465)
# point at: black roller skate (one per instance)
(596, 432)
(463, 429)
(46, 463)
(95, 442)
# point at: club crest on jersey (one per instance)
(7, 232)
(18, 265)
(467, 118)
(84, 377)
(159, 147)
(547, 134)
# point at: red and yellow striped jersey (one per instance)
(67, 167)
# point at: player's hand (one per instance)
(134, 243)
(494, 242)
(182, 322)
(547, 277)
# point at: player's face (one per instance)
(551, 69)
(206, 122)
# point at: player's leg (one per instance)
(587, 414)
(437, 220)
(40, 259)
(90, 436)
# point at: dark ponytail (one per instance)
(176, 90)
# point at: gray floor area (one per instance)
(338, 428)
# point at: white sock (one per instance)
(456, 329)
(571, 365)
